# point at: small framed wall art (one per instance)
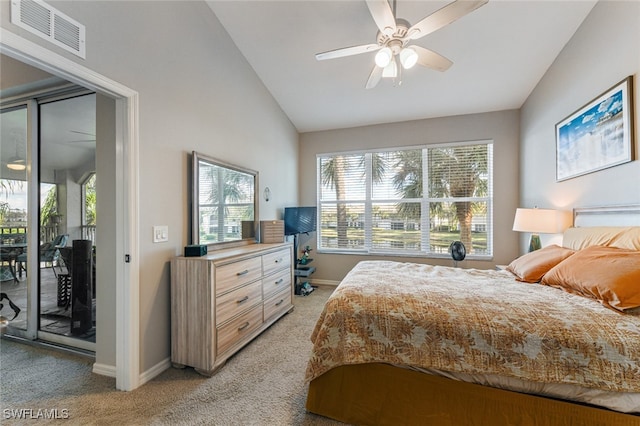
(598, 135)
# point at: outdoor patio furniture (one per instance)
(12, 245)
(49, 253)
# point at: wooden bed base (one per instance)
(380, 394)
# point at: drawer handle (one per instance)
(279, 260)
(245, 272)
(244, 299)
(280, 302)
(280, 281)
(243, 326)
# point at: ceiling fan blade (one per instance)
(442, 17)
(382, 15)
(347, 51)
(430, 59)
(82, 133)
(374, 77)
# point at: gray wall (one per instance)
(105, 236)
(197, 92)
(502, 127)
(604, 50)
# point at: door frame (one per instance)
(127, 368)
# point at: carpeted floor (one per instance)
(261, 385)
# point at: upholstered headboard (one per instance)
(607, 216)
(615, 226)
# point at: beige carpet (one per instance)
(261, 385)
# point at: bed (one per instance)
(553, 340)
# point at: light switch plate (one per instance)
(160, 233)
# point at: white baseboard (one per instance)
(154, 371)
(104, 369)
(110, 370)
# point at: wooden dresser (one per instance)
(219, 302)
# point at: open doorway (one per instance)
(117, 350)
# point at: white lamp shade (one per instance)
(390, 70)
(408, 57)
(537, 221)
(383, 57)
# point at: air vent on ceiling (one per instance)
(50, 24)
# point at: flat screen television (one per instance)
(299, 220)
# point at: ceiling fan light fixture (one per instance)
(391, 70)
(383, 57)
(16, 163)
(408, 57)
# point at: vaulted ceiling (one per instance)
(499, 53)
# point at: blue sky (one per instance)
(588, 120)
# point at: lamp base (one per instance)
(534, 243)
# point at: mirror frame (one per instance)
(196, 158)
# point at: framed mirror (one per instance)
(225, 205)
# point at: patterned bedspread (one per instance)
(474, 321)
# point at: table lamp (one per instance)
(537, 221)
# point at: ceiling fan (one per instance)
(92, 136)
(395, 35)
(88, 140)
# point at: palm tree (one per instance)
(90, 200)
(333, 174)
(225, 187)
(49, 206)
(408, 181)
(456, 172)
(334, 171)
(453, 172)
(7, 186)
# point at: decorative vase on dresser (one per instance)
(221, 301)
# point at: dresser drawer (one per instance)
(230, 304)
(276, 282)
(238, 329)
(277, 303)
(235, 274)
(277, 260)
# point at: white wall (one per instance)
(501, 127)
(604, 51)
(197, 92)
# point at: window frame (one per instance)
(425, 200)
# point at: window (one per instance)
(413, 201)
(89, 208)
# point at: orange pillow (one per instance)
(532, 266)
(608, 274)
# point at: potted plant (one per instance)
(55, 218)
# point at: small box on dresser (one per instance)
(272, 231)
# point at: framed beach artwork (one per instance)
(597, 136)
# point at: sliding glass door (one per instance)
(48, 244)
(14, 224)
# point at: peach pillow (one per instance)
(608, 274)
(532, 266)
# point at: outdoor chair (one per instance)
(49, 253)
